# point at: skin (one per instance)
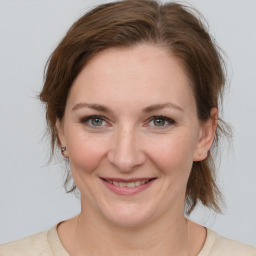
(127, 143)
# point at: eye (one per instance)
(94, 121)
(161, 121)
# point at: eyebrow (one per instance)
(94, 106)
(161, 106)
(148, 109)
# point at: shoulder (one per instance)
(33, 245)
(222, 246)
(232, 247)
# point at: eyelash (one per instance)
(165, 119)
(170, 121)
(86, 120)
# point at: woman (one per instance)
(132, 97)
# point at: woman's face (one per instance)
(132, 133)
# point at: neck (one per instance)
(167, 235)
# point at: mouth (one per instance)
(130, 186)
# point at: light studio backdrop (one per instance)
(32, 198)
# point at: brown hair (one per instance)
(178, 29)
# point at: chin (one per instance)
(128, 215)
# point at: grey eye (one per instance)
(159, 121)
(96, 121)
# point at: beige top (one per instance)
(47, 243)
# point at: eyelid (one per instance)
(85, 120)
(169, 120)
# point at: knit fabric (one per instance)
(47, 243)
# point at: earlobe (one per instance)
(61, 139)
(206, 136)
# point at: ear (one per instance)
(60, 133)
(206, 136)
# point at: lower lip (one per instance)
(127, 190)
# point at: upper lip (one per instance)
(127, 180)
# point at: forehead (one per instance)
(143, 74)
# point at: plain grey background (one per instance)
(31, 195)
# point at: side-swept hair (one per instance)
(178, 29)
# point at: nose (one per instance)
(125, 153)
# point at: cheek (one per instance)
(85, 151)
(174, 159)
(173, 154)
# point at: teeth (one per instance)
(128, 184)
(137, 183)
(122, 184)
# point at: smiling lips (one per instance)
(127, 187)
